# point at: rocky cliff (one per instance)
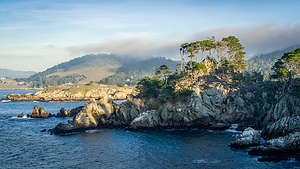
(266, 106)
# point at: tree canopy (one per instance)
(229, 49)
(288, 66)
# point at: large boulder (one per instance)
(248, 138)
(90, 116)
(65, 128)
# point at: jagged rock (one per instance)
(75, 111)
(89, 116)
(39, 112)
(248, 138)
(35, 112)
(282, 127)
(148, 119)
(286, 144)
(63, 113)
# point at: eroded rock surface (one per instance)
(248, 138)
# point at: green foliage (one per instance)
(150, 86)
(163, 71)
(90, 83)
(199, 66)
(287, 66)
(184, 92)
(120, 84)
(101, 82)
(163, 86)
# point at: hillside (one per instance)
(109, 69)
(263, 63)
(12, 74)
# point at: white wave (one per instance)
(24, 117)
(205, 161)
(5, 101)
(94, 131)
(232, 131)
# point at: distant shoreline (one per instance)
(1, 89)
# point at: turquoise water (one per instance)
(22, 145)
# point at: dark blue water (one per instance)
(22, 145)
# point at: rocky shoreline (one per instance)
(276, 114)
(74, 93)
(39, 112)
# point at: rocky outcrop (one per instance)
(75, 93)
(39, 113)
(281, 148)
(282, 127)
(213, 107)
(248, 138)
(69, 113)
(63, 113)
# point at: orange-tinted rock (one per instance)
(39, 112)
(35, 112)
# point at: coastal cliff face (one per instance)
(211, 108)
(276, 113)
(75, 92)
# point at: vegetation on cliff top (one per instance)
(210, 62)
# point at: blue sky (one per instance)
(37, 34)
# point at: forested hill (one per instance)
(104, 68)
(263, 63)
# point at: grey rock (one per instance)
(248, 138)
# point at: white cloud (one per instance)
(256, 39)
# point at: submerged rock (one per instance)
(248, 138)
(21, 115)
(65, 128)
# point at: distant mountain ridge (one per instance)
(12, 74)
(107, 68)
(264, 62)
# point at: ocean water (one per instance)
(22, 145)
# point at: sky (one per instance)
(37, 34)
